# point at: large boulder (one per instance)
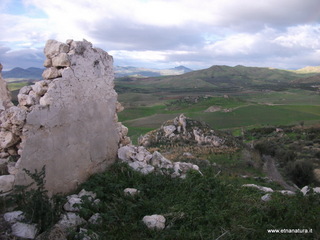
(156, 222)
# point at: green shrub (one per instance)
(34, 201)
(300, 172)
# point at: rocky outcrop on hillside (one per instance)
(185, 131)
(67, 122)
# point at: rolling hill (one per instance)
(36, 73)
(219, 77)
(149, 72)
(29, 73)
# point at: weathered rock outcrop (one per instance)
(186, 131)
(141, 160)
(67, 122)
(5, 97)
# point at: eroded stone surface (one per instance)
(67, 122)
(5, 96)
(155, 221)
(182, 130)
(141, 160)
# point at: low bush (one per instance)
(34, 201)
(300, 172)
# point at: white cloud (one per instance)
(305, 36)
(23, 29)
(201, 33)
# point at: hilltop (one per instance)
(149, 72)
(219, 78)
(29, 73)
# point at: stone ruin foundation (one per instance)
(67, 122)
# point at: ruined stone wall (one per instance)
(5, 97)
(67, 122)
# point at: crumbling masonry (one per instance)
(67, 122)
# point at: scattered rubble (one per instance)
(141, 160)
(131, 191)
(306, 190)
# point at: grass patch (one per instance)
(17, 85)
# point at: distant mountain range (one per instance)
(29, 73)
(215, 77)
(149, 72)
(35, 73)
(236, 78)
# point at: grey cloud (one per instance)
(23, 58)
(131, 36)
(249, 16)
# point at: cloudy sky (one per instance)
(167, 33)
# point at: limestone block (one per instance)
(13, 217)
(305, 190)
(160, 161)
(5, 95)
(47, 63)
(7, 139)
(168, 130)
(16, 115)
(266, 197)
(4, 155)
(95, 218)
(53, 48)
(46, 100)
(155, 221)
(85, 235)
(13, 168)
(6, 183)
(119, 107)
(316, 190)
(25, 90)
(61, 60)
(24, 230)
(131, 191)
(141, 167)
(91, 195)
(123, 130)
(78, 48)
(72, 205)
(71, 220)
(51, 73)
(261, 188)
(40, 88)
(22, 99)
(126, 153)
